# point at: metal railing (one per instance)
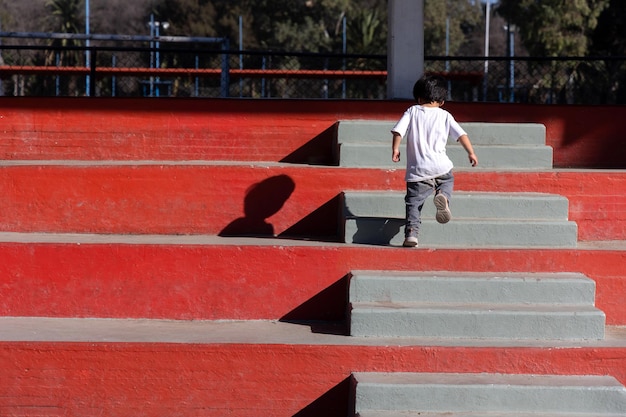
(196, 69)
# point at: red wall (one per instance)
(155, 380)
(265, 130)
(221, 278)
(232, 279)
(224, 198)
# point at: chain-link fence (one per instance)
(212, 70)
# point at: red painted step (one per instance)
(275, 130)
(292, 200)
(233, 278)
(255, 370)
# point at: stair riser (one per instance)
(364, 131)
(213, 281)
(445, 289)
(462, 233)
(185, 199)
(489, 398)
(462, 204)
(405, 322)
(495, 157)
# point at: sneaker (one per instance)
(410, 242)
(443, 211)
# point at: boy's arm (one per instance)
(395, 147)
(467, 145)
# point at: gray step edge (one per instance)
(537, 288)
(490, 393)
(447, 321)
(479, 132)
(489, 157)
(465, 233)
(463, 204)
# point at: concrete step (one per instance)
(378, 413)
(471, 287)
(479, 205)
(478, 220)
(503, 146)
(495, 394)
(494, 157)
(379, 131)
(468, 320)
(474, 305)
(465, 233)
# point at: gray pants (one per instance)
(416, 195)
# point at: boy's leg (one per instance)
(416, 194)
(443, 188)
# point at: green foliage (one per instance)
(463, 16)
(554, 28)
(367, 31)
(66, 15)
(287, 25)
(66, 18)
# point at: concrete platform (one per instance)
(263, 332)
(493, 394)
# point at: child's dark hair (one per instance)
(430, 88)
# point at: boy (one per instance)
(426, 127)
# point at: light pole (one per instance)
(486, 71)
(510, 30)
(87, 57)
(154, 34)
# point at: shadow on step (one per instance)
(322, 224)
(321, 150)
(326, 312)
(334, 403)
(266, 198)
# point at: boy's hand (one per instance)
(395, 147)
(473, 159)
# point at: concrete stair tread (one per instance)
(375, 413)
(465, 232)
(453, 144)
(504, 157)
(479, 132)
(472, 287)
(463, 320)
(478, 379)
(482, 221)
(204, 239)
(389, 274)
(478, 219)
(116, 330)
(463, 204)
(473, 308)
(474, 392)
(364, 143)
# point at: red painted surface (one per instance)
(258, 281)
(244, 380)
(272, 130)
(235, 282)
(210, 199)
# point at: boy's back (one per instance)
(426, 129)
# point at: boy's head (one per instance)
(430, 89)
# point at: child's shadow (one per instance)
(263, 200)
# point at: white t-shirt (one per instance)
(426, 130)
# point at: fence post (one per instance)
(225, 78)
(92, 72)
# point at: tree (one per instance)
(555, 28)
(607, 40)
(458, 17)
